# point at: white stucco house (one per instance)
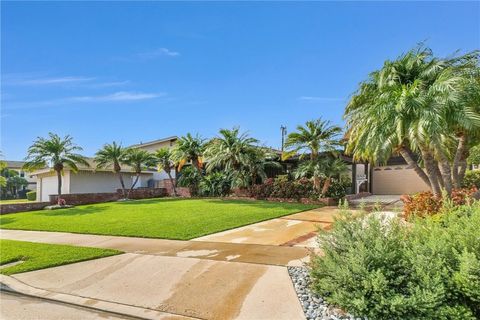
(91, 180)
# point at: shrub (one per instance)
(471, 179)
(429, 269)
(215, 184)
(190, 177)
(32, 195)
(338, 189)
(425, 203)
(262, 191)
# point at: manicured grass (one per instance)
(155, 218)
(14, 201)
(36, 256)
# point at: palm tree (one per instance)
(163, 157)
(314, 137)
(114, 155)
(57, 152)
(138, 160)
(329, 168)
(259, 159)
(415, 104)
(229, 151)
(189, 149)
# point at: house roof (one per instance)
(143, 144)
(13, 164)
(92, 167)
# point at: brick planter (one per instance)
(21, 207)
(89, 198)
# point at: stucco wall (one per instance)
(397, 180)
(91, 182)
(48, 184)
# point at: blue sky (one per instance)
(131, 72)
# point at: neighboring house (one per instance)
(151, 146)
(86, 180)
(18, 166)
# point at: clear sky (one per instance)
(139, 71)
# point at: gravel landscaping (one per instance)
(314, 307)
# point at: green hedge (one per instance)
(427, 270)
(32, 195)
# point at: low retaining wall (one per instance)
(85, 198)
(181, 191)
(321, 201)
(89, 198)
(6, 208)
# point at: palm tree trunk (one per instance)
(326, 185)
(446, 171)
(431, 172)
(406, 153)
(439, 174)
(173, 184)
(457, 161)
(122, 183)
(59, 191)
(133, 185)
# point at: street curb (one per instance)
(13, 285)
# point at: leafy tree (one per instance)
(58, 153)
(417, 104)
(12, 182)
(112, 155)
(163, 158)
(312, 138)
(138, 160)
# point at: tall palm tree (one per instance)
(314, 137)
(163, 158)
(414, 105)
(189, 149)
(58, 153)
(229, 151)
(114, 155)
(138, 160)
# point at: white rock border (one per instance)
(314, 307)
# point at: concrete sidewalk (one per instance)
(234, 274)
(185, 287)
(235, 252)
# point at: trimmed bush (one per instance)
(429, 269)
(281, 187)
(32, 195)
(471, 179)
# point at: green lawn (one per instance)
(36, 256)
(154, 218)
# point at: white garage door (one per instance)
(396, 180)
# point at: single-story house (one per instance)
(92, 180)
(87, 180)
(394, 178)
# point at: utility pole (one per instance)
(283, 129)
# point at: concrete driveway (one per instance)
(235, 274)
